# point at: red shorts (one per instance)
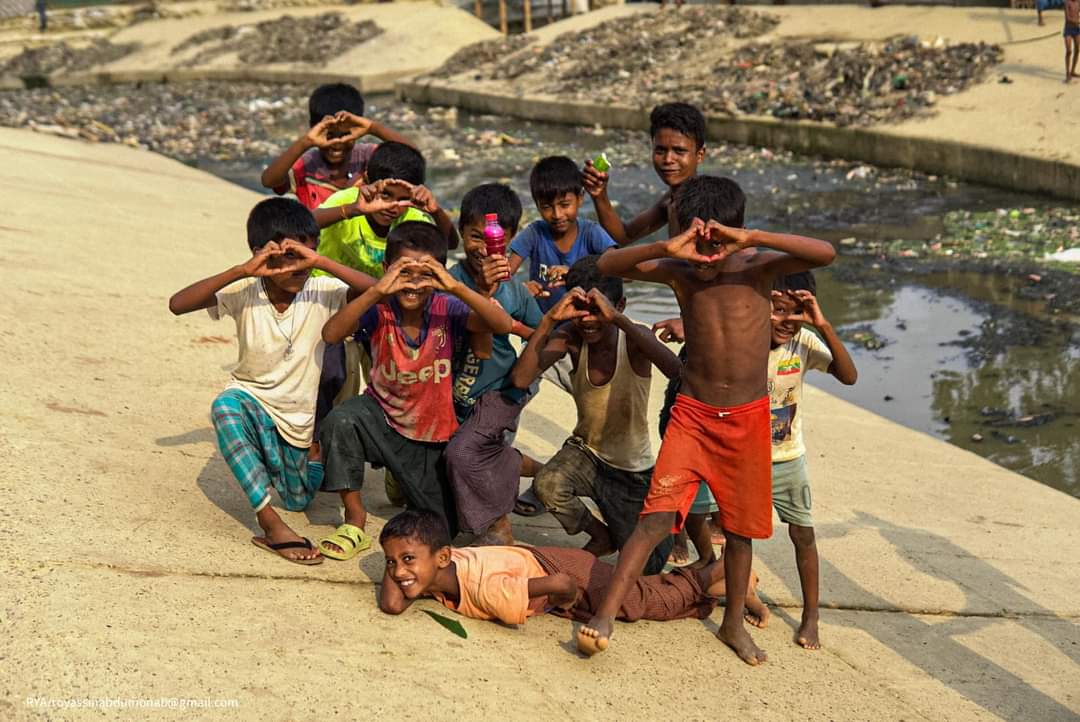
(731, 451)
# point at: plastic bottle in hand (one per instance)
(494, 236)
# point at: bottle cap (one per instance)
(491, 218)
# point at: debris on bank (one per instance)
(700, 55)
(316, 39)
(61, 56)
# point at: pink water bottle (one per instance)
(494, 236)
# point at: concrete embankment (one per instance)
(948, 582)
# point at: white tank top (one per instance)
(613, 419)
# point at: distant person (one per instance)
(265, 417)
(677, 133)
(327, 157)
(509, 584)
(43, 16)
(413, 318)
(608, 458)
(1072, 37)
(722, 275)
(484, 467)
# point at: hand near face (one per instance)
(493, 270)
(317, 135)
(601, 306)
(574, 304)
(725, 240)
(358, 126)
(393, 280)
(811, 310)
(304, 256)
(423, 199)
(438, 277)
(684, 245)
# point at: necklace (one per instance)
(292, 325)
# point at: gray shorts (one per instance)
(791, 492)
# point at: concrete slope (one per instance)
(129, 574)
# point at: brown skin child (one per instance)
(723, 283)
(790, 310)
(561, 215)
(594, 321)
(411, 279)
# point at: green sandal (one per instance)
(347, 537)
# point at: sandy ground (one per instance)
(950, 582)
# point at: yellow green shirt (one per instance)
(353, 242)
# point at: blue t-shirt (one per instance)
(536, 245)
(474, 377)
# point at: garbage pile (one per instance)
(61, 56)
(866, 84)
(326, 36)
(699, 55)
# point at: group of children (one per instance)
(349, 282)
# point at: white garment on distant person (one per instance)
(284, 383)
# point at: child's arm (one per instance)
(647, 262)
(546, 345)
(642, 224)
(486, 317)
(202, 294)
(639, 338)
(560, 589)
(366, 126)
(344, 322)
(276, 174)
(795, 253)
(391, 598)
(842, 367)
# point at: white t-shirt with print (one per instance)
(284, 383)
(787, 366)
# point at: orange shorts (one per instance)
(730, 450)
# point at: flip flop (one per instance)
(281, 546)
(528, 504)
(348, 537)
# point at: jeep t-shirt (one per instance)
(410, 378)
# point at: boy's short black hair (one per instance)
(427, 526)
(803, 281)
(331, 99)
(491, 198)
(416, 236)
(275, 219)
(710, 199)
(553, 177)
(397, 160)
(585, 274)
(680, 117)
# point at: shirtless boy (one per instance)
(720, 426)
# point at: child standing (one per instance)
(512, 583)
(1072, 37)
(608, 458)
(719, 429)
(484, 468)
(677, 131)
(405, 417)
(327, 157)
(553, 243)
(796, 350)
(265, 417)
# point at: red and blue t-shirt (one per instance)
(411, 378)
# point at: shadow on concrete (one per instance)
(204, 435)
(938, 648)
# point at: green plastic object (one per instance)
(452, 624)
(601, 163)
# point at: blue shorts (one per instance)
(1071, 31)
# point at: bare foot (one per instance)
(755, 612)
(593, 638)
(680, 552)
(742, 644)
(807, 636)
